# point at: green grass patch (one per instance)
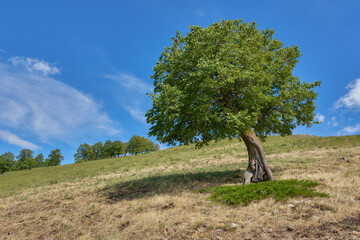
(245, 194)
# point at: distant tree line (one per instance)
(26, 160)
(136, 145)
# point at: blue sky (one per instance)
(77, 71)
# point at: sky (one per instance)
(78, 71)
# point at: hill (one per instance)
(154, 196)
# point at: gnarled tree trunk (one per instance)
(258, 170)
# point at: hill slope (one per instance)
(151, 196)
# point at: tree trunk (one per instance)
(258, 170)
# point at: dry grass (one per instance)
(86, 210)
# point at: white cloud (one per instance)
(35, 65)
(319, 117)
(131, 82)
(132, 98)
(332, 122)
(47, 108)
(15, 140)
(2, 50)
(137, 114)
(352, 98)
(350, 129)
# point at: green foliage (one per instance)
(55, 157)
(219, 81)
(118, 148)
(39, 160)
(98, 149)
(84, 153)
(139, 144)
(87, 152)
(108, 150)
(281, 190)
(7, 162)
(25, 160)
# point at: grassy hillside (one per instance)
(152, 195)
(184, 158)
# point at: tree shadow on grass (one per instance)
(170, 183)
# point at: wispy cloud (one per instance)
(33, 102)
(17, 141)
(132, 98)
(350, 129)
(2, 50)
(332, 122)
(319, 117)
(131, 82)
(35, 65)
(137, 114)
(352, 98)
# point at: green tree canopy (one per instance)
(84, 153)
(55, 157)
(150, 146)
(108, 151)
(138, 144)
(118, 148)
(7, 162)
(229, 80)
(39, 160)
(25, 160)
(87, 152)
(98, 149)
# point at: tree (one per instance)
(108, 150)
(39, 160)
(229, 80)
(150, 146)
(134, 146)
(98, 149)
(55, 157)
(7, 162)
(84, 153)
(118, 148)
(125, 145)
(25, 160)
(139, 144)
